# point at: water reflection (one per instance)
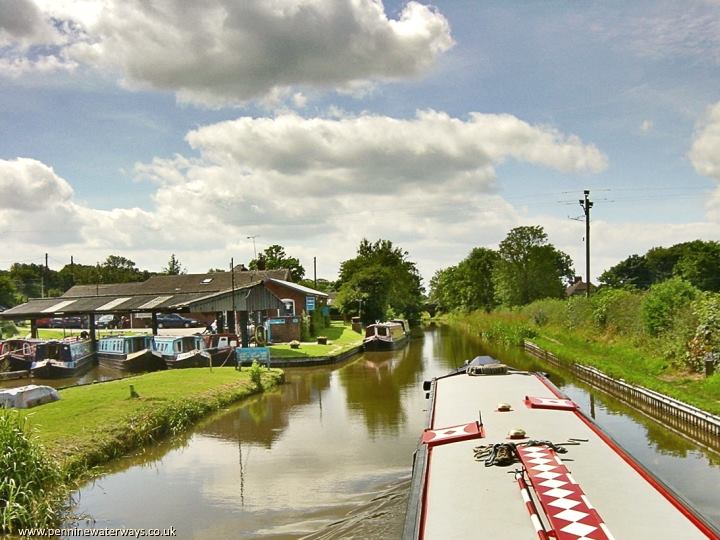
(374, 384)
(94, 373)
(329, 453)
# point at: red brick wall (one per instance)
(282, 333)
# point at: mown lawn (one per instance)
(59, 333)
(340, 339)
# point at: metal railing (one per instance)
(675, 414)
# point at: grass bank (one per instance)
(340, 339)
(93, 424)
(616, 355)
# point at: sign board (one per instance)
(309, 303)
(276, 321)
(246, 355)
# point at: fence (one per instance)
(686, 419)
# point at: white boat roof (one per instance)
(465, 499)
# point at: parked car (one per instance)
(73, 321)
(106, 321)
(173, 320)
(44, 322)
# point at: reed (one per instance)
(32, 490)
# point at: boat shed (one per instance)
(224, 293)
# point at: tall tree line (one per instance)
(524, 268)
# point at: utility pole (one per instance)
(315, 271)
(254, 250)
(586, 206)
(42, 277)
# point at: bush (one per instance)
(663, 302)
(706, 338)
(7, 329)
(579, 312)
(256, 374)
(616, 310)
(305, 334)
(546, 311)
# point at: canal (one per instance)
(328, 454)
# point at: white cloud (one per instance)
(316, 186)
(705, 150)
(378, 154)
(224, 52)
(27, 184)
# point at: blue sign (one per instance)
(276, 321)
(309, 303)
(246, 355)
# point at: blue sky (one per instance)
(150, 128)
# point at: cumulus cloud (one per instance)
(224, 52)
(372, 153)
(316, 186)
(705, 151)
(28, 184)
(37, 205)
(22, 23)
(425, 181)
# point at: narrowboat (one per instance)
(19, 353)
(128, 353)
(56, 359)
(506, 455)
(181, 351)
(221, 348)
(386, 336)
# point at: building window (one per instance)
(289, 309)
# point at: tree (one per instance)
(529, 268)
(28, 279)
(117, 269)
(476, 286)
(274, 257)
(8, 293)
(468, 285)
(443, 290)
(696, 262)
(173, 267)
(382, 277)
(632, 272)
(323, 285)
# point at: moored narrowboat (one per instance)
(56, 359)
(507, 455)
(181, 351)
(221, 348)
(128, 353)
(386, 336)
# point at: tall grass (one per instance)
(31, 484)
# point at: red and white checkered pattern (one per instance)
(571, 515)
(463, 432)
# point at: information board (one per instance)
(246, 355)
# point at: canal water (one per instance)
(328, 454)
